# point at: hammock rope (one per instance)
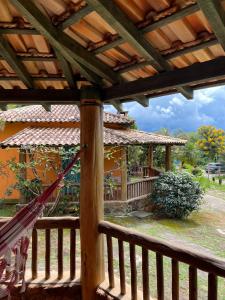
(15, 237)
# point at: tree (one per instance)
(211, 141)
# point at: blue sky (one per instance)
(175, 112)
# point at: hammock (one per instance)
(14, 237)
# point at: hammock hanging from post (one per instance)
(14, 237)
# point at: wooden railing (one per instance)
(140, 188)
(42, 231)
(213, 266)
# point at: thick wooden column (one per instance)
(91, 194)
(168, 158)
(124, 174)
(150, 156)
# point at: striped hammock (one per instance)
(15, 234)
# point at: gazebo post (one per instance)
(150, 156)
(91, 194)
(168, 158)
(124, 174)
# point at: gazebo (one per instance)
(97, 52)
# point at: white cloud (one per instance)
(177, 101)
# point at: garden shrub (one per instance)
(176, 195)
(197, 171)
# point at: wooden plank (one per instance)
(122, 268)
(193, 290)
(72, 254)
(175, 280)
(34, 254)
(60, 253)
(160, 276)
(212, 287)
(76, 17)
(199, 260)
(89, 66)
(215, 15)
(133, 272)
(28, 31)
(127, 30)
(196, 73)
(66, 68)
(110, 262)
(91, 198)
(145, 274)
(17, 96)
(9, 55)
(47, 253)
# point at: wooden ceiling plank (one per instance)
(215, 14)
(76, 17)
(194, 74)
(66, 68)
(69, 48)
(9, 55)
(27, 31)
(127, 30)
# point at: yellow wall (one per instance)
(10, 129)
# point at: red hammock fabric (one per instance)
(14, 236)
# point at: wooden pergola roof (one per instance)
(129, 50)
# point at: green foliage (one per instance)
(176, 195)
(197, 171)
(211, 141)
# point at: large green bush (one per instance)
(176, 195)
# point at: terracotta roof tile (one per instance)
(36, 136)
(58, 113)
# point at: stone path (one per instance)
(213, 203)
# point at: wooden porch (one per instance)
(55, 274)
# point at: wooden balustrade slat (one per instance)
(202, 261)
(122, 268)
(34, 253)
(212, 287)
(145, 274)
(72, 254)
(193, 286)
(47, 253)
(60, 253)
(175, 280)
(160, 276)
(110, 261)
(133, 271)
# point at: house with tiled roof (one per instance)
(33, 126)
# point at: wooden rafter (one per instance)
(198, 74)
(66, 68)
(76, 17)
(9, 55)
(143, 100)
(195, 74)
(92, 68)
(127, 30)
(117, 105)
(215, 14)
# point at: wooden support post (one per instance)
(91, 194)
(168, 161)
(150, 156)
(124, 174)
(23, 173)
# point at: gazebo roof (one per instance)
(129, 50)
(58, 114)
(45, 136)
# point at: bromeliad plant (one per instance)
(176, 195)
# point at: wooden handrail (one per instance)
(205, 262)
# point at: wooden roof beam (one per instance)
(117, 105)
(127, 30)
(76, 17)
(92, 68)
(66, 68)
(143, 100)
(194, 74)
(9, 55)
(215, 15)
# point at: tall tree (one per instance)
(211, 141)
